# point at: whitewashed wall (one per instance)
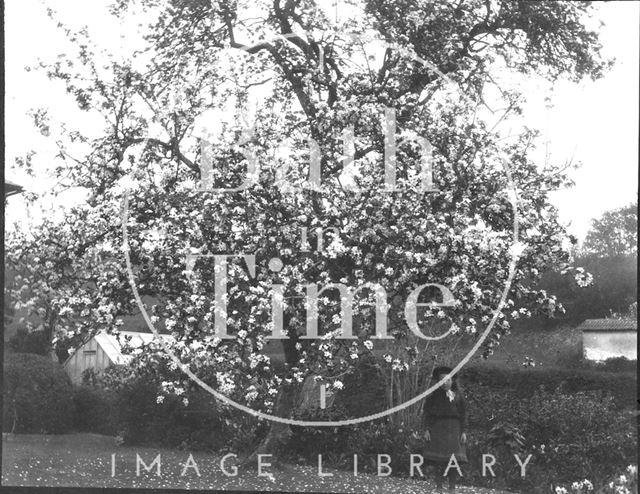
(601, 345)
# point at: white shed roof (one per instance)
(111, 346)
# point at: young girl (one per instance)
(444, 421)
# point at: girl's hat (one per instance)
(442, 369)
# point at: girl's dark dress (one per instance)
(446, 421)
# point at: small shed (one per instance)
(608, 338)
(102, 350)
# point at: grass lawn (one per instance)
(84, 460)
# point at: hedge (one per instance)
(37, 395)
(94, 411)
(523, 382)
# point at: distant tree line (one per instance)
(610, 255)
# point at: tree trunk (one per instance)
(286, 399)
(278, 436)
(49, 326)
(15, 417)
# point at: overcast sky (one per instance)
(595, 123)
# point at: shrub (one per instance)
(623, 483)
(384, 437)
(194, 420)
(94, 411)
(363, 391)
(581, 435)
(142, 420)
(244, 432)
(338, 445)
(113, 378)
(37, 395)
(308, 442)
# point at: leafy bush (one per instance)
(581, 435)
(363, 391)
(308, 442)
(113, 378)
(623, 483)
(243, 432)
(144, 415)
(338, 445)
(94, 411)
(384, 437)
(37, 395)
(169, 423)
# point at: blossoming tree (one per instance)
(282, 97)
(615, 233)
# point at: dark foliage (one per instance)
(615, 364)
(36, 395)
(142, 420)
(308, 442)
(522, 382)
(570, 436)
(25, 341)
(614, 233)
(369, 397)
(94, 411)
(613, 290)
